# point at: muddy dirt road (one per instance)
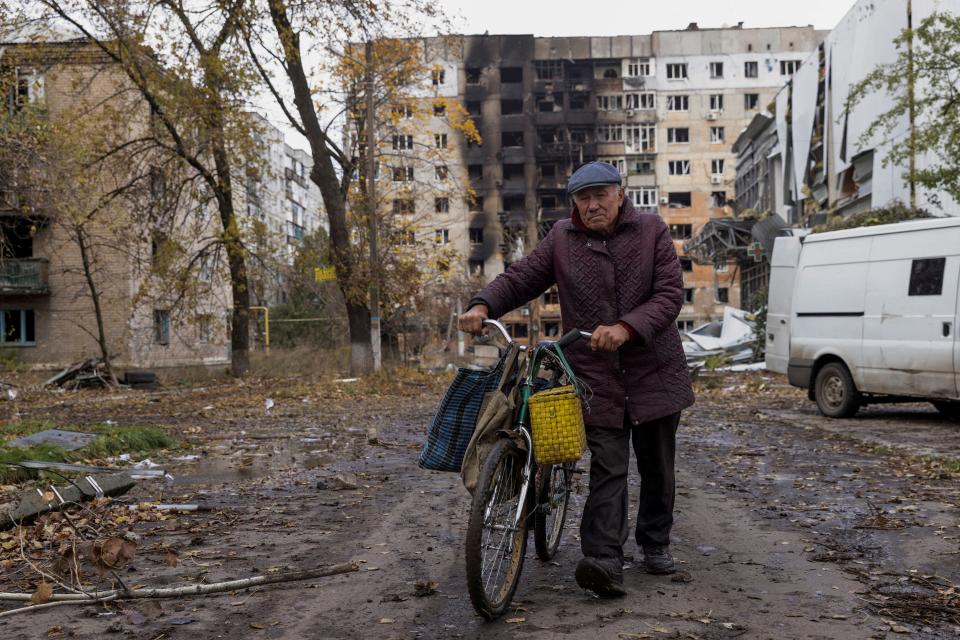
(788, 525)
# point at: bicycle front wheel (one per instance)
(496, 537)
(553, 494)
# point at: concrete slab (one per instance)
(66, 440)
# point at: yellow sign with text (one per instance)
(324, 274)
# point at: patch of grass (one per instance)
(111, 441)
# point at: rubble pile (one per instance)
(733, 339)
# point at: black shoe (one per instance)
(658, 560)
(593, 574)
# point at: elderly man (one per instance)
(618, 276)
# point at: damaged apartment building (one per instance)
(806, 154)
(47, 313)
(664, 108)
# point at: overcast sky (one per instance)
(604, 18)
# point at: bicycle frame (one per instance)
(534, 360)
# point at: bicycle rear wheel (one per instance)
(553, 494)
(496, 542)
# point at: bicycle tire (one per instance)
(498, 485)
(552, 500)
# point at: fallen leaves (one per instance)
(43, 593)
(422, 588)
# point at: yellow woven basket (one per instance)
(557, 424)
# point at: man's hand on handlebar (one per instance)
(608, 338)
(472, 320)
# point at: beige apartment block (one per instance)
(47, 316)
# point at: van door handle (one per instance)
(946, 329)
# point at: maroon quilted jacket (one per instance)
(633, 276)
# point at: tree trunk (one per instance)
(87, 262)
(325, 177)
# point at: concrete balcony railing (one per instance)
(24, 276)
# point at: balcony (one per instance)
(293, 176)
(24, 276)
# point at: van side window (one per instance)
(926, 277)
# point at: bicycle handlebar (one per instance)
(572, 336)
(502, 329)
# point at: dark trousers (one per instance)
(604, 528)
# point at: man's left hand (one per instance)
(608, 338)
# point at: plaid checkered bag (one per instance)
(456, 419)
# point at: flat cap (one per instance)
(593, 174)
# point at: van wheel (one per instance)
(948, 408)
(837, 397)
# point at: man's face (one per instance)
(599, 206)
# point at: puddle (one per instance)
(250, 461)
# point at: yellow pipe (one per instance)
(266, 326)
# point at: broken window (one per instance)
(403, 206)
(681, 231)
(440, 140)
(717, 135)
(723, 295)
(476, 267)
(476, 235)
(610, 133)
(441, 171)
(475, 203)
(548, 201)
(644, 166)
(546, 103)
(610, 102)
(751, 101)
(439, 109)
(513, 171)
(547, 136)
(750, 69)
(473, 75)
(548, 69)
(441, 205)
(475, 171)
(688, 295)
(678, 167)
(17, 326)
(716, 167)
(161, 326)
(926, 277)
(719, 199)
(403, 174)
(511, 139)
(619, 163)
(644, 101)
(678, 135)
(579, 136)
(548, 170)
(684, 325)
(716, 102)
(676, 70)
(402, 111)
(645, 198)
(578, 100)
(678, 103)
(437, 76)
(511, 107)
(473, 107)
(552, 296)
(514, 203)
(402, 142)
(610, 73)
(638, 69)
(716, 70)
(686, 264)
(641, 138)
(678, 199)
(511, 74)
(789, 67)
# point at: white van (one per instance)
(868, 315)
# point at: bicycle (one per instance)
(503, 501)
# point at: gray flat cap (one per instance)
(593, 174)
